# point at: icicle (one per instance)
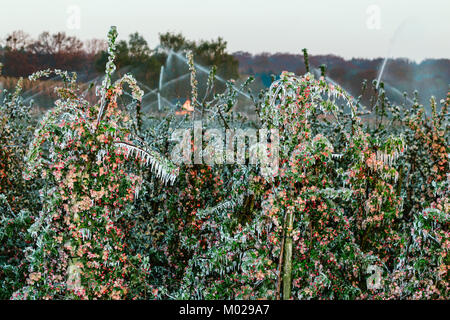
(136, 193)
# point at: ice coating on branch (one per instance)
(158, 165)
(284, 92)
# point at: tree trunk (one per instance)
(287, 270)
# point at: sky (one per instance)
(414, 29)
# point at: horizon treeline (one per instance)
(22, 55)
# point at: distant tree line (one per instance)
(23, 55)
(429, 77)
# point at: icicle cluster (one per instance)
(227, 204)
(161, 170)
(387, 158)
